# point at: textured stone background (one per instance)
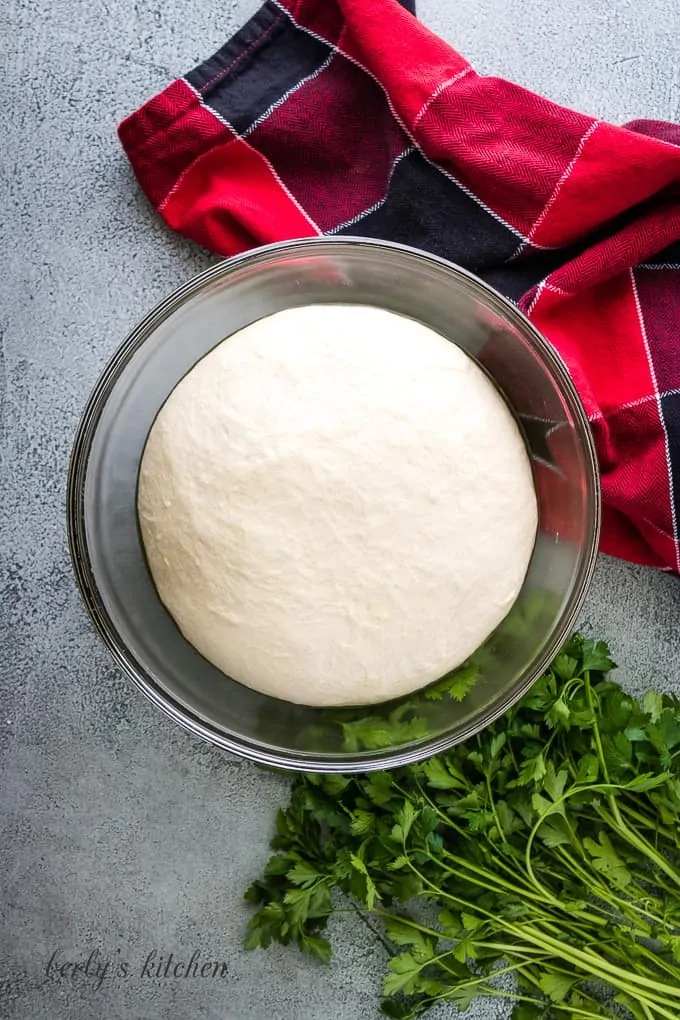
(119, 832)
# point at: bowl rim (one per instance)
(260, 753)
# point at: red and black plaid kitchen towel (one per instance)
(350, 117)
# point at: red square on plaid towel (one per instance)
(351, 151)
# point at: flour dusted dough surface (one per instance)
(336, 505)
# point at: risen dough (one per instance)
(336, 505)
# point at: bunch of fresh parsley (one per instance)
(545, 848)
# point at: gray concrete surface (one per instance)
(121, 834)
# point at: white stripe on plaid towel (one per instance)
(437, 92)
(376, 205)
(599, 415)
(279, 102)
(556, 190)
(546, 285)
(643, 330)
(226, 123)
(537, 296)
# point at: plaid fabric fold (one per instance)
(350, 117)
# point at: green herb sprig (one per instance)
(546, 848)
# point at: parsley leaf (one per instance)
(457, 684)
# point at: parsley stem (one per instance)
(615, 821)
(511, 948)
(602, 891)
(658, 961)
(492, 802)
(510, 968)
(646, 1010)
(513, 759)
(595, 964)
(596, 729)
(575, 1011)
(491, 881)
(591, 963)
(474, 867)
(530, 978)
(517, 877)
(436, 933)
(649, 823)
(598, 743)
(632, 837)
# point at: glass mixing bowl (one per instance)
(106, 547)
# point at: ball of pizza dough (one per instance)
(336, 505)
